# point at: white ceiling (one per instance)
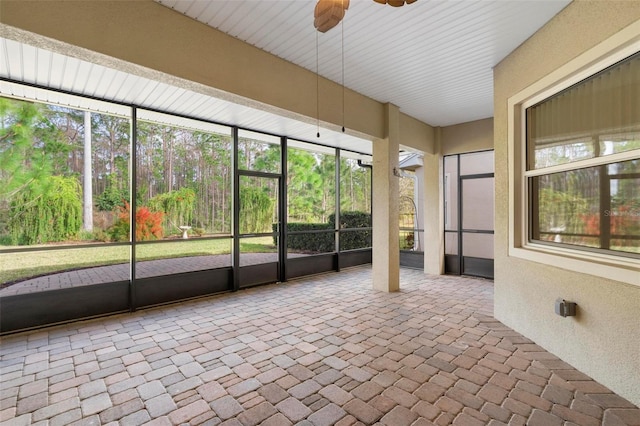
(25, 63)
(433, 58)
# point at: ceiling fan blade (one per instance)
(395, 3)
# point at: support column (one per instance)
(386, 228)
(433, 210)
(433, 234)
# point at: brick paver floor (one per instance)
(318, 351)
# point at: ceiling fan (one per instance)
(328, 13)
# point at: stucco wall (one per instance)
(604, 339)
(467, 137)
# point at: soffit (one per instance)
(433, 58)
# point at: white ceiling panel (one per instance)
(432, 58)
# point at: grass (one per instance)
(20, 266)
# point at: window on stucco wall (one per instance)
(583, 164)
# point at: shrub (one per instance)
(148, 224)
(314, 243)
(112, 197)
(177, 206)
(84, 235)
(406, 241)
(353, 239)
(353, 219)
(324, 242)
(101, 235)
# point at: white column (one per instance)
(386, 229)
(433, 211)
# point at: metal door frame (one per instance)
(281, 213)
(455, 264)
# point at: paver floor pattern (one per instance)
(319, 351)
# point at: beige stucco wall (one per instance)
(604, 339)
(467, 137)
(155, 38)
(416, 134)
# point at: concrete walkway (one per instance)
(318, 351)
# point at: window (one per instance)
(63, 171)
(355, 201)
(574, 164)
(583, 163)
(311, 198)
(183, 194)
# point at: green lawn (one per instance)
(18, 266)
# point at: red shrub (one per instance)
(148, 224)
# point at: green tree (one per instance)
(355, 186)
(53, 216)
(25, 162)
(110, 151)
(257, 208)
(177, 206)
(311, 184)
(302, 186)
(212, 181)
(113, 196)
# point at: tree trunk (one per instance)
(87, 187)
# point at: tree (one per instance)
(53, 216)
(113, 196)
(257, 208)
(87, 188)
(24, 161)
(110, 152)
(355, 186)
(177, 207)
(302, 186)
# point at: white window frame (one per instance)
(625, 269)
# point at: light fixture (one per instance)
(328, 13)
(395, 3)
